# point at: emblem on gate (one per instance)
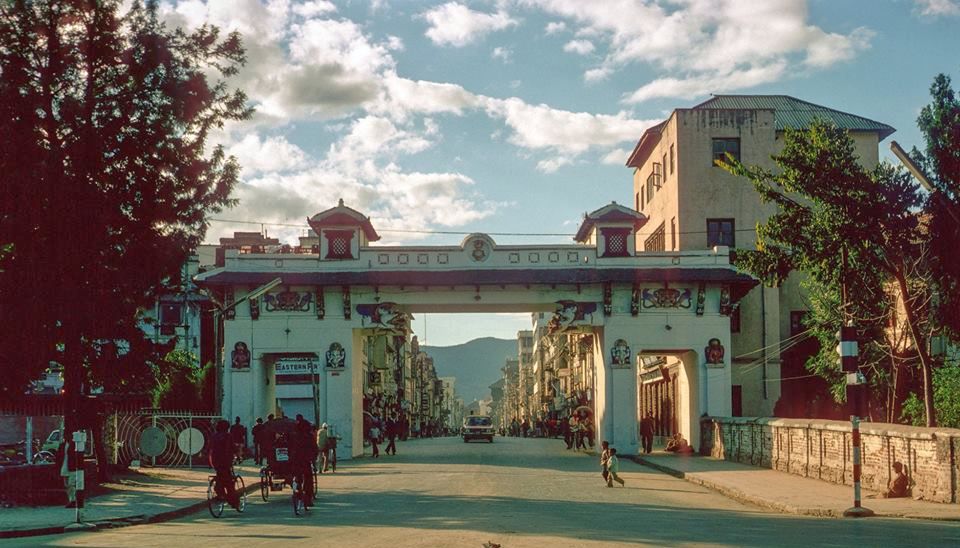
(620, 354)
(714, 352)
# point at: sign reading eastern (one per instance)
(296, 368)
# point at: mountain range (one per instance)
(476, 364)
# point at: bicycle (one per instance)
(215, 502)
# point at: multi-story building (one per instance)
(529, 410)
(693, 204)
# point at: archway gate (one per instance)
(302, 342)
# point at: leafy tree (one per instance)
(180, 383)
(946, 396)
(107, 177)
(850, 231)
(940, 123)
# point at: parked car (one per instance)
(477, 427)
(53, 443)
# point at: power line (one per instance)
(462, 232)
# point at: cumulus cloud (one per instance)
(937, 8)
(454, 24)
(693, 86)
(581, 47)
(703, 40)
(616, 157)
(258, 155)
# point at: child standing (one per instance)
(604, 460)
(613, 468)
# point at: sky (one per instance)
(514, 117)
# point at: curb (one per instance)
(118, 522)
(739, 495)
(746, 498)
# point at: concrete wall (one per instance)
(821, 449)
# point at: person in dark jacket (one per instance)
(392, 427)
(303, 451)
(221, 459)
(238, 434)
(647, 427)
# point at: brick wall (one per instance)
(822, 449)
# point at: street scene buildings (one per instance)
(755, 314)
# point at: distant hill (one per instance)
(476, 364)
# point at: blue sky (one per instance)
(516, 116)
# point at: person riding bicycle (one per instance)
(221, 459)
(303, 452)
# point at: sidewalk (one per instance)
(786, 492)
(153, 494)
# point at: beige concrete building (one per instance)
(692, 204)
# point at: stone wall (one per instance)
(821, 449)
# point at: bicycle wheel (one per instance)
(298, 508)
(265, 482)
(241, 492)
(214, 503)
(316, 480)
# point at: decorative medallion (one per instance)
(553, 257)
(287, 301)
(573, 257)
(533, 257)
(383, 258)
(514, 258)
(479, 250)
(240, 356)
(620, 354)
(713, 352)
(666, 297)
(336, 356)
(422, 258)
(403, 258)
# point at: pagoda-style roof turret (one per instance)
(343, 216)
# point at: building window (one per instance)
(671, 159)
(615, 241)
(735, 320)
(723, 146)
(657, 241)
(637, 201)
(796, 322)
(664, 168)
(171, 317)
(720, 232)
(654, 180)
(339, 244)
(643, 197)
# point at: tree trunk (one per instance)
(920, 343)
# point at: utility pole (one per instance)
(849, 364)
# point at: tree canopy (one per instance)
(107, 179)
(850, 230)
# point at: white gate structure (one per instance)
(303, 339)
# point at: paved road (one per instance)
(514, 492)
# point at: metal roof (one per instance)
(794, 113)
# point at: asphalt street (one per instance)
(515, 493)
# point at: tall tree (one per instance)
(940, 123)
(107, 177)
(852, 232)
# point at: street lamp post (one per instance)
(924, 181)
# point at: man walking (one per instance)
(647, 426)
(392, 435)
(238, 434)
(257, 433)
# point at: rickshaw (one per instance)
(279, 472)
